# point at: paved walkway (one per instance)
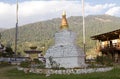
(5, 69)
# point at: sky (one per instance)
(31, 11)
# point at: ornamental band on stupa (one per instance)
(65, 53)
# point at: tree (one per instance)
(9, 52)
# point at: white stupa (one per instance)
(65, 53)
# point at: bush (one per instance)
(104, 60)
(25, 64)
(32, 64)
(38, 63)
(41, 66)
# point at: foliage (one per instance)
(38, 63)
(32, 64)
(7, 51)
(54, 64)
(92, 65)
(51, 60)
(104, 60)
(25, 64)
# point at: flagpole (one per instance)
(83, 17)
(16, 29)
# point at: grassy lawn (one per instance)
(4, 71)
(4, 64)
(15, 74)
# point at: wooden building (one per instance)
(109, 44)
(33, 53)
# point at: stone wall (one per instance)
(66, 71)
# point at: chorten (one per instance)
(65, 53)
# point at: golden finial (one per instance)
(64, 24)
(64, 13)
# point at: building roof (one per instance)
(32, 51)
(107, 36)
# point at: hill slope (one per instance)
(2, 29)
(42, 33)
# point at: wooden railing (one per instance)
(110, 46)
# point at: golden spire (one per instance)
(64, 24)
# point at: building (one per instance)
(109, 44)
(33, 53)
(65, 53)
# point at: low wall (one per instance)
(66, 71)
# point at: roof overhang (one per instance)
(107, 36)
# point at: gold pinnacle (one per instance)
(64, 24)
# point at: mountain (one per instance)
(2, 29)
(42, 33)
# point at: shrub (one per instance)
(25, 64)
(32, 64)
(104, 60)
(38, 63)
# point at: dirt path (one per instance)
(5, 69)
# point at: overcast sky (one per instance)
(37, 10)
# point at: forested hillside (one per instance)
(42, 33)
(2, 29)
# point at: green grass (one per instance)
(15, 74)
(4, 64)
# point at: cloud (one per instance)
(97, 9)
(33, 11)
(114, 11)
(7, 15)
